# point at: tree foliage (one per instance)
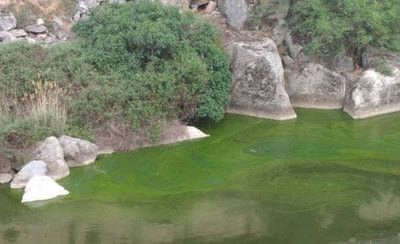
(161, 64)
(347, 25)
(139, 63)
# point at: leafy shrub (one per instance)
(140, 63)
(157, 64)
(331, 26)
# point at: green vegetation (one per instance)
(140, 63)
(332, 26)
(327, 27)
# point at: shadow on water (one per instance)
(322, 178)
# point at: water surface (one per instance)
(323, 178)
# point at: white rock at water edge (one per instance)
(194, 133)
(42, 188)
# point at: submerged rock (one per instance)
(78, 152)
(31, 169)
(374, 94)
(42, 188)
(258, 82)
(51, 152)
(316, 87)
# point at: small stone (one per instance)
(36, 29)
(39, 21)
(19, 33)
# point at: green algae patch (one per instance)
(322, 178)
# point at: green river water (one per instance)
(323, 178)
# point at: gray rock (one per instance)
(36, 29)
(59, 28)
(31, 169)
(235, 11)
(374, 94)
(18, 33)
(51, 152)
(7, 21)
(344, 63)
(78, 152)
(381, 60)
(258, 82)
(6, 37)
(5, 178)
(295, 50)
(288, 61)
(316, 87)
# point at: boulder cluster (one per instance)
(34, 33)
(51, 161)
(272, 74)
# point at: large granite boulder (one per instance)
(374, 94)
(235, 11)
(7, 21)
(42, 188)
(258, 81)
(51, 152)
(315, 86)
(78, 152)
(31, 169)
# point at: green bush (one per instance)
(331, 26)
(37, 85)
(157, 64)
(140, 63)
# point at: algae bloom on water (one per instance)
(322, 178)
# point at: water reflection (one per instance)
(207, 220)
(386, 207)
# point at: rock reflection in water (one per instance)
(209, 220)
(384, 208)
